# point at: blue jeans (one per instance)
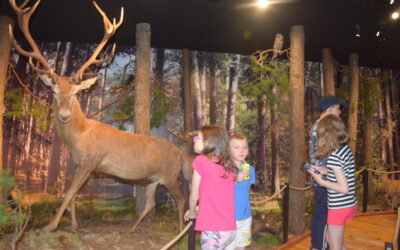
(318, 222)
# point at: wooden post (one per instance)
(353, 102)
(296, 124)
(286, 214)
(142, 95)
(365, 191)
(5, 48)
(192, 236)
(327, 67)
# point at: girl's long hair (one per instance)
(332, 134)
(216, 142)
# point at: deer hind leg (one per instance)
(80, 177)
(174, 188)
(150, 203)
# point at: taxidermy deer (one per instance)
(392, 188)
(95, 146)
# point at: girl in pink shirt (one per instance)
(213, 187)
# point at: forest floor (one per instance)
(111, 233)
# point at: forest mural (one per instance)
(243, 103)
(246, 94)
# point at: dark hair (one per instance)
(216, 142)
(332, 134)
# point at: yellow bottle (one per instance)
(246, 167)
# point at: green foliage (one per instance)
(268, 239)
(21, 108)
(160, 106)
(9, 217)
(267, 74)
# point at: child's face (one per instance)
(238, 149)
(198, 143)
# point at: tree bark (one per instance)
(5, 48)
(159, 70)
(233, 86)
(327, 65)
(213, 90)
(187, 92)
(296, 125)
(261, 152)
(275, 163)
(201, 57)
(368, 119)
(196, 92)
(142, 94)
(389, 124)
(353, 102)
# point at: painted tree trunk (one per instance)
(213, 90)
(233, 86)
(187, 92)
(368, 119)
(5, 48)
(196, 92)
(142, 94)
(296, 129)
(261, 152)
(159, 70)
(353, 102)
(328, 76)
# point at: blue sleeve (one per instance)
(252, 175)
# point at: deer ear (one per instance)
(47, 80)
(86, 83)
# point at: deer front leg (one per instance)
(150, 203)
(80, 177)
(74, 224)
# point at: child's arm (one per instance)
(340, 186)
(194, 196)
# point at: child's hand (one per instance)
(242, 176)
(189, 215)
(323, 170)
(317, 177)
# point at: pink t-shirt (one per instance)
(216, 197)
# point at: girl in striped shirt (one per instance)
(342, 203)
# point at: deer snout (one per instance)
(64, 116)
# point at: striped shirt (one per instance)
(342, 158)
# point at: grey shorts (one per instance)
(243, 234)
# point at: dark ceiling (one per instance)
(231, 26)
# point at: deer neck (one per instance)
(71, 131)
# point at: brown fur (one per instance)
(392, 188)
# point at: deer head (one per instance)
(64, 88)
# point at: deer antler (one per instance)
(109, 31)
(23, 15)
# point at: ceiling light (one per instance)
(262, 3)
(391, 2)
(358, 28)
(395, 15)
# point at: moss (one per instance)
(268, 239)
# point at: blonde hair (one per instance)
(238, 137)
(216, 142)
(332, 134)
